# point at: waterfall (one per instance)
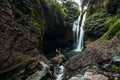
(78, 31)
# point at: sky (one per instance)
(77, 1)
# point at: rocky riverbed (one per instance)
(100, 57)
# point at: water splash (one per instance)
(59, 72)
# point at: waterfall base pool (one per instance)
(71, 53)
(66, 53)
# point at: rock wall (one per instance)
(102, 48)
(26, 28)
(100, 15)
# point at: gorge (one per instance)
(32, 29)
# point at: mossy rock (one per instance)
(4, 3)
(114, 68)
(97, 24)
(114, 30)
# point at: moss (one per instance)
(100, 16)
(118, 34)
(113, 30)
(115, 68)
(97, 24)
(38, 1)
(42, 27)
(111, 6)
(4, 2)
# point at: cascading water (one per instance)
(78, 34)
(61, 72)
(78, 31)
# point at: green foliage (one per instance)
(48, 17)
(115, 68)
(113, 30)
(56, 4)
(111, 6)
(97, 24)
(31, 14)
(101, 15)
(4, 2)
(95, 6)
(70, 11)
(118, 34)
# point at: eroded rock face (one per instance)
(18, 44)
(19, 66)
(15, 36)
(99, 52)
(22, 24)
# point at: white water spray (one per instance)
(61, 72)
(78, 31)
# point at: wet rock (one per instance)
(105, 66)
(98, 77)
(77, 77)
(86, 76)
(39, 73)
(89, 76)
(60, 73)
(19, 66)
(116, 60)
(99, 52)
(116, 76)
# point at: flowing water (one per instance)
(61, 72)
(78, 31)
(78, 35)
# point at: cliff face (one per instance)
(100, 15)
(26, 28)
(44, 16)
(104, 31)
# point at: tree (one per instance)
(71, 12)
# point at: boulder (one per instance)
(39, 73)
(77, 77)
(89, 76)
(98, 77)
(116, 60)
